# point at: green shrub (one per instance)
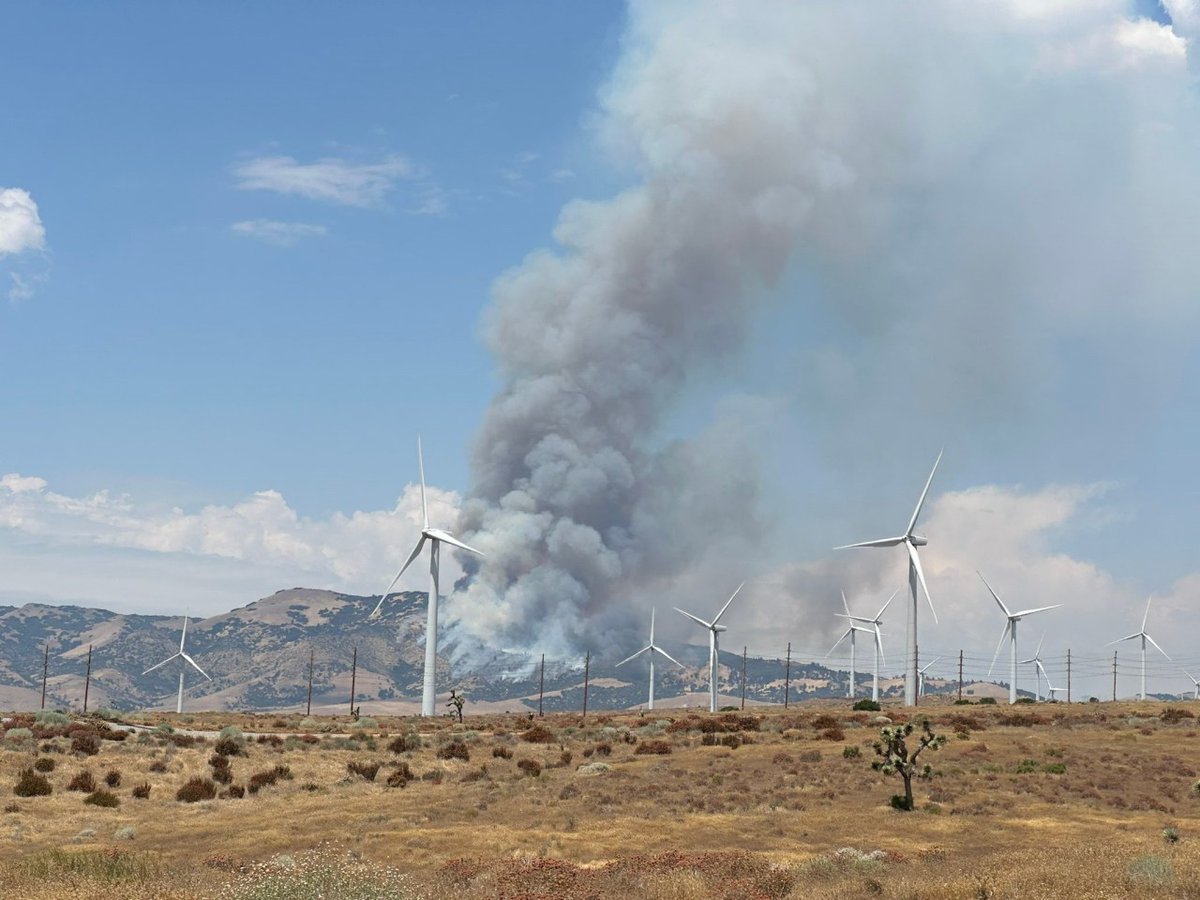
(17, 738)
(1025, 700)
(31, 784)
(1025, 766)
(127, 833)
(850, 752)
(401, 776)
(1171, 835)
(987, 701)
(963, 702)
(51, 718)
(1150, 870)
(405, 743)
(101, 797)
(196, 789)
(44, 764)
(108, 865)
(1055, 768)
(85, 743)
(113, 778)
(364, 723)
(866, 705)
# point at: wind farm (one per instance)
(681, 297)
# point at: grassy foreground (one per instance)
(1026, 801)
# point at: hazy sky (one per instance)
(784, 253)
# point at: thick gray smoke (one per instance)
(939, 168)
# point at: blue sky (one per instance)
(271, 237)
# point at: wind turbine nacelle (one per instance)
(720, 628)
(918, 540)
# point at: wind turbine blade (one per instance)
(1146, 617)
(845, 635)
(416, 552)
(882, 542)
(917, 512)
(194, 666)
(1003, 635)
(670, 657)
(421, 467)
(993, 593)
(652, 626)
(846, 606)
(916, 561)
(1042, 669)
(727, 602)
(635, 656)
(879, 644)
(886, 605)
(695, 619)
(161, 664)
(1156, 647)
(1037, 654)
(1030, 612)
(928, 664)
(1128, 637)
(446, 538)
(863, 619)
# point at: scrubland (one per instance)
(1052, 800)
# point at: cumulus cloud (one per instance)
(966, 189)
(356, 552)
(329, 179)
(20, 225)
(281, 234)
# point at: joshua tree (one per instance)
(896, 758)
(457, 700)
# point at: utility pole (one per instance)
(353, 676)
(1068, 676)
(587, 666)
(743, 677)
(1114, 676)
(45, 672)
(87, 680)
(787, 676)
(541, 685)
(308, 707)
(960, 678)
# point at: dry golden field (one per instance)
(1027, 801)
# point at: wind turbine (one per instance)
(652, 648)
(1036, 659)
(921, 676)
(911, 542)
(1145, 637)
(1195, 681)
(879, 640)
(1010, 632)
(436, 538)
(848, 633)
(183, 658)
(714, 645)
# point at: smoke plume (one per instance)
(948, 174)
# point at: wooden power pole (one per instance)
(87, 680)
(45, 672)
(743, 677)
(787, 677)
(587, 666)
(960, 678)
(353, 677)
(308, 706)
(541, 685)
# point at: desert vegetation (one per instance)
(1053, 800)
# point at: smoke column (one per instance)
(851, 139)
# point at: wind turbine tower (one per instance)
(1038, 669)
(911, 541)
(184, 662)
(436, 537)
(651, 648)
(1010, 632)
(1145, 637)
(714, 645)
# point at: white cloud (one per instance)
(20, 225)
(262, 534)
(281, 234)
(329, 179)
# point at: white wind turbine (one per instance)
(911, 542)
(436, 538)
(184, 661)
(1010, 632)
(874, 623)
(1195, 681)
(921, 676)
(714, 645)
(1038, 669)
(848, 633)
(1145, 637)
(652, 648)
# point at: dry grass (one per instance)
(1057, 802)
